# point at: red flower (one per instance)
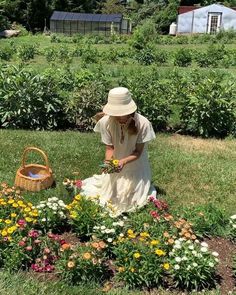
(21, 243)
(78, 183)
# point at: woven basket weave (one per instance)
(34, 177)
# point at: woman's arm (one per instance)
(109, 152)
(134, 156)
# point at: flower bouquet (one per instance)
(111, 166)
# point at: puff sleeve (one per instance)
(146, 132)
(102, 127)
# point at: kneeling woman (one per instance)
(125, 134)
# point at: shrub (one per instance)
(208, 108)
(183, 57)
(85, 103)
(152, 96)
(232, 224)
(84, 263)
(145, 56)
(140, 260)
(193, 266)
(26, 52)
(6, 53)
(29, 101)
(50, 54)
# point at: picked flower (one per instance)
(111, 166)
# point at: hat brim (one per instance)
(120, 110)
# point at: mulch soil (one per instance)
(226, 250)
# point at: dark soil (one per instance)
(226, 250)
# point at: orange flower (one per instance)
(187, 235)
(193, 237)
(102, 245)
(166, 234)
(171, 241)
(87, 255)
(65, 246)
(95, 245)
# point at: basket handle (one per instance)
(28, 149)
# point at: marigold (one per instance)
(154, 242)
(65, 246)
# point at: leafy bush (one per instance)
(84, 263)
(183, 57)
(193, 266)
(212, 57)
(146, 56)
(151, 95)
(140, 260)
(85, 103)
(6, 53)
(89, 54)
(28, 100)
(26, 52)
(208, 107)
(232, 224)
(50, 54)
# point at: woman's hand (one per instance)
(122, 163)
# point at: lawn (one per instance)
(186, 170)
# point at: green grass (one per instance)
(187, 170)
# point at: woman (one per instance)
(125, 134)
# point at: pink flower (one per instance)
(21, 222)
(33, 233)
(37, 242)
(78, 183)
(155, 214)
(47, 250)
(21, 243)
(29, 248)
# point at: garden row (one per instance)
(203, 103)
(147, 248)
(214, 56)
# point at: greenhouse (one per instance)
(72, 23)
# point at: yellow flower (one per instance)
(11, 201)
(13, 215)
(4, 233)
(8, 221)
(115, 162)
(166, 266)
(10, 230)
(130, 232)
(160, 252)
(70, 264)
(144, 234)
(121, 269)
(137, 255)
(0, 220)
(27, 209)
(68, 207)
(154, 242)
(132, 269)
(20, 203)
(30, 204)
(132, 236)
(28, 219)
(78, 197)
(15, 205)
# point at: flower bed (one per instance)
(148, 248)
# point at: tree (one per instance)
(112, 6)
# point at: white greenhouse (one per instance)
(209, 19)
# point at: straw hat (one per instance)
(119, 102)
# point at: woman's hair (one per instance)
(132, 128)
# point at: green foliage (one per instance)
(85, 263)
(146, 56)
(85, 213)
(212, 57)
(89, 54)
(183, 57)
(151, 95)
(85, 103)
(50, 54)
(143, 34)
(207, 219)
(28, 100)
(208, 107)
(6, 53)
(26, 52)
(232, 228)
(193, 266)
(140, 260)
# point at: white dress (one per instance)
(130, 188)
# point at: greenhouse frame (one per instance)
(70, 23)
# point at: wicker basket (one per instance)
(34, 177)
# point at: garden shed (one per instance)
(71, 23)
(208, 19)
